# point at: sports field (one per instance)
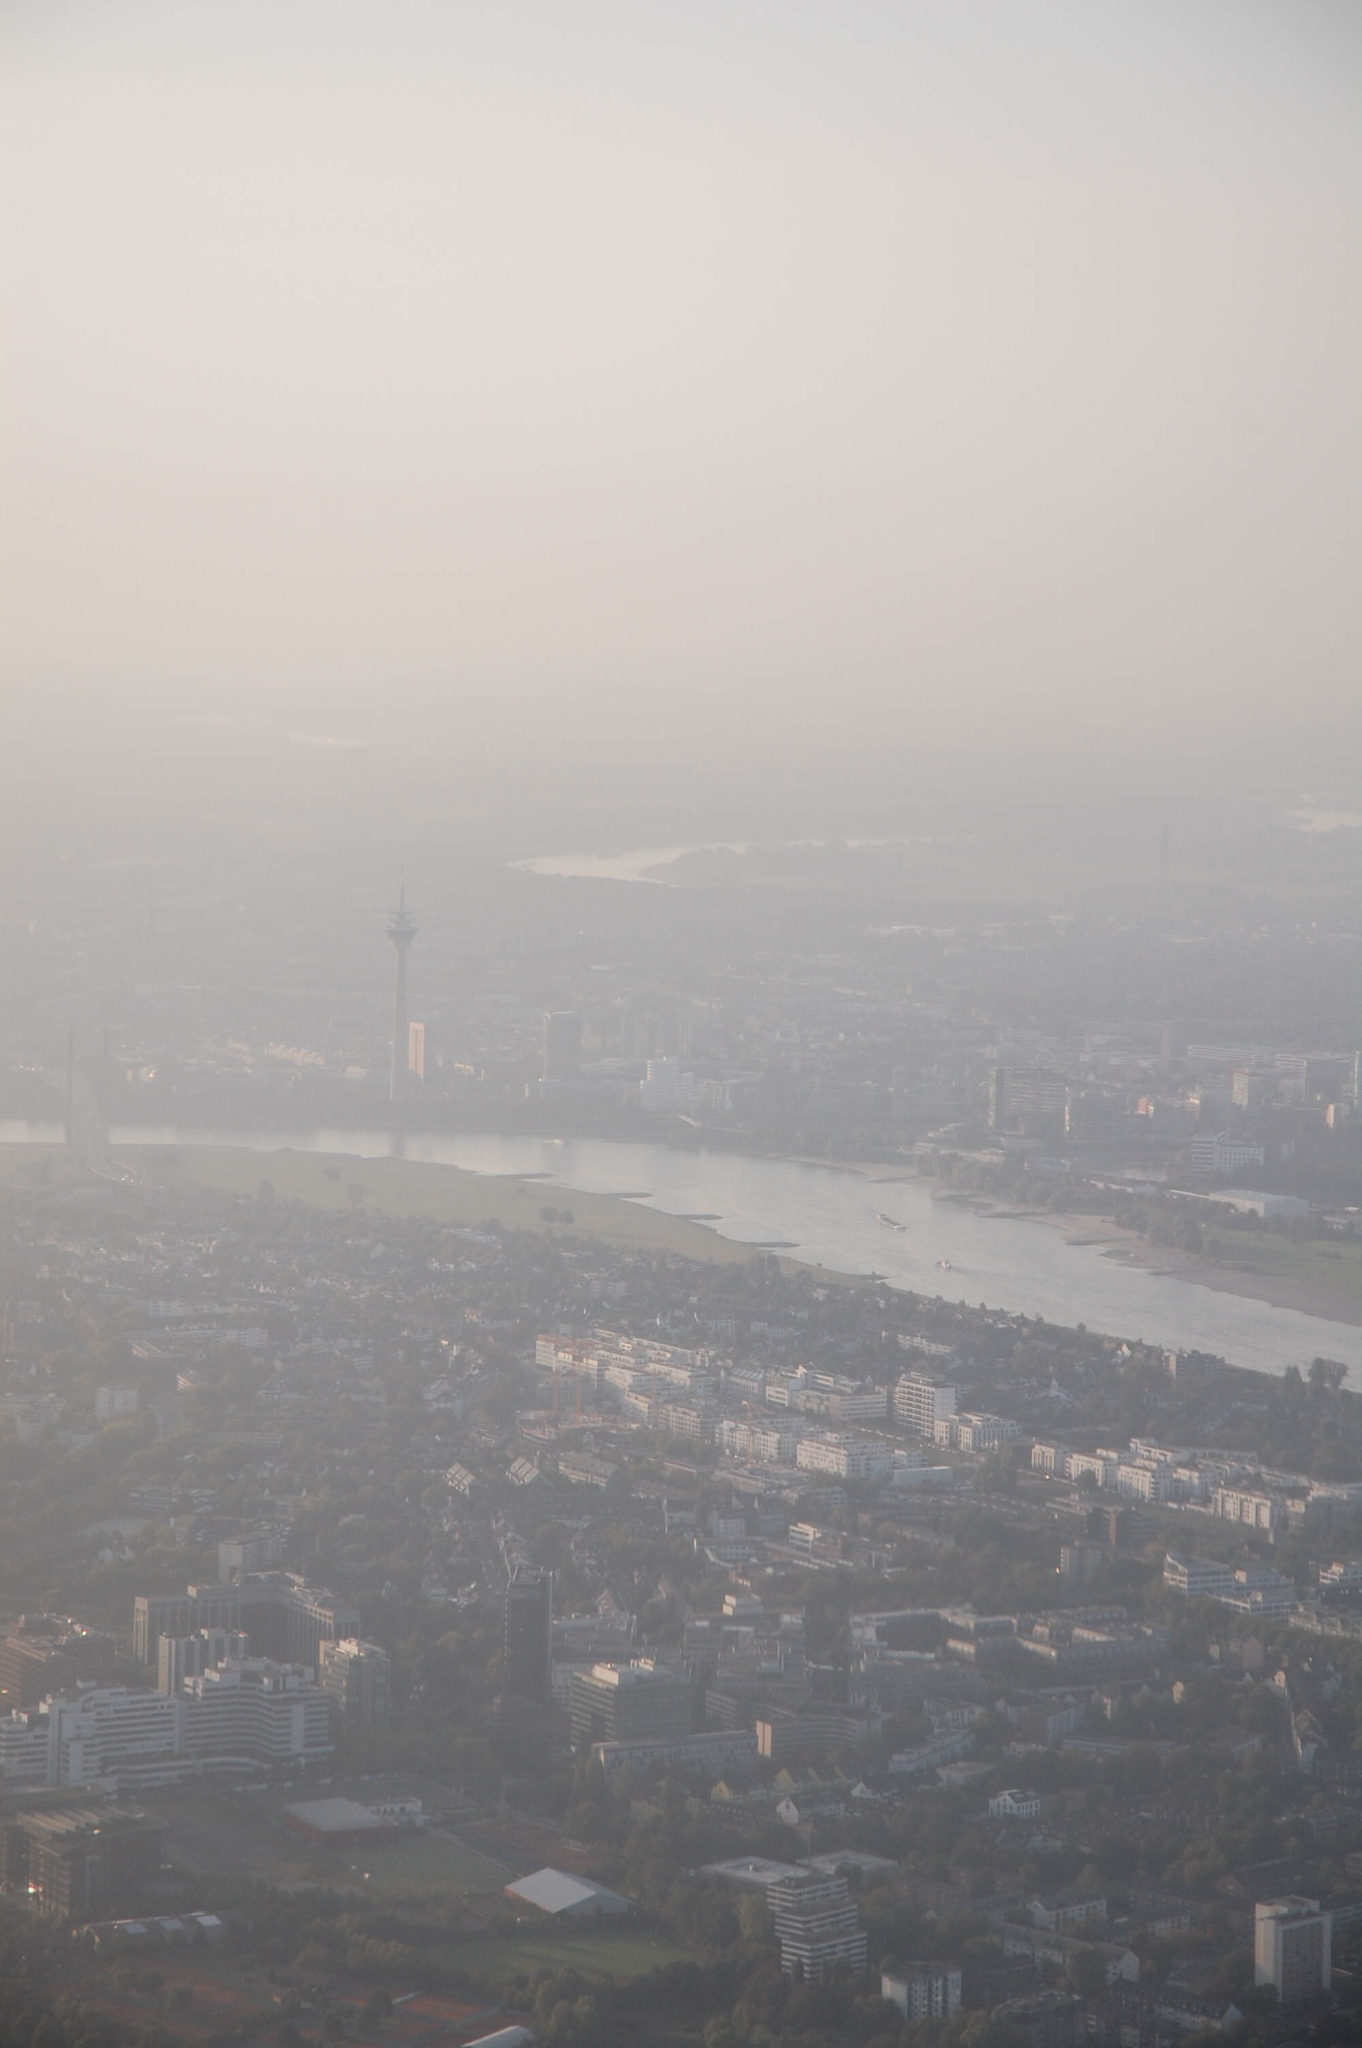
(221, 1839)
(604, 1952)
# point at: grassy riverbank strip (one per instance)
(445, 1194)
(1313, 1276)
(1319, 1277)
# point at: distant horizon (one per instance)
(883, 380)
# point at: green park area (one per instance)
(429, 1862)
(1316, 1274)
(610, 1951)
(213, 1836)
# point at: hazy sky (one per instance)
(701, 360)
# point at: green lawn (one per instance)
(401, 1187)
(607, 1952)
(437, 1861)
(1334, 1269)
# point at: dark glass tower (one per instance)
(529, 1634)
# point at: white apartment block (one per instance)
(1254, 1510)
(859, 1404)
(1099, 1465)
(1014, 1805)
(1292, 1943)
(712, 1751)
(23, 1750)
(626, 1379)
(1142, 1481)
(247, 1714)
(928, 1346)
(923, 1991)
(696, 1425)
(844, 1457)
(920, 1402)
(1198, 1578)
(971, 1431)
(758, 1443)
(115, 1737)
(828, 1394)
(1258, 1590)
(253, 1714)
(1134, 1477)
(1253, 1589)
(1219, 1153)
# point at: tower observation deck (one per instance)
(401, 930)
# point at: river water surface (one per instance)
(829, 1217)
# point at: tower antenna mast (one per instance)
(401, 930)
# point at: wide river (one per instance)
(829, 1217)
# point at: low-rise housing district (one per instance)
(800, 1622)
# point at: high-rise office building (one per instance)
(255, 1550)
(1028, 1101)
(629, 1703)
(43, 1653)
(416, 1050)
(561, 1056)
(1292, 1945)
(254, 1714)
(528, 1636)
(182, 1657)
(818, 1926)
(247, 1714)
(284, 1617)
(357, 1678)
(181, 1614)
(72, 1862)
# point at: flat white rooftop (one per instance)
(555, 1891)
(758, 1871)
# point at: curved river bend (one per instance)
(828, 1217)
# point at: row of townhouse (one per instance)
(1141, 1472)
(1228, 1485)
(607, 1357)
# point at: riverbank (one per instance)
(338, 1181)
(1310, 1278)
(839, 1222)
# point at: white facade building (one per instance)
(923, 1991)
(759, 1443)
(920, 1402)
(1254, 1510)
(844, 1457)
(1292, 1947)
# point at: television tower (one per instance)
(401, 930)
